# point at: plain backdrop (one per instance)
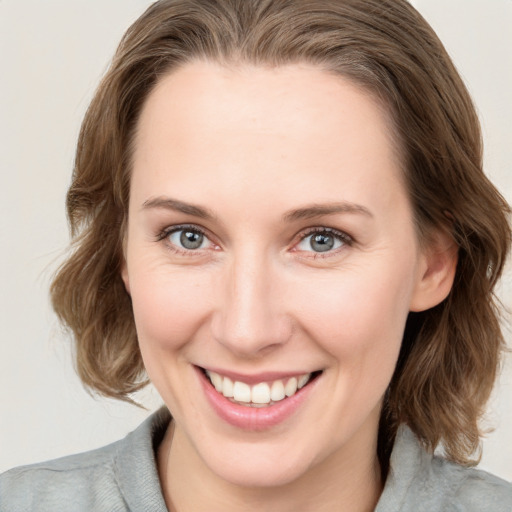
(52, 54)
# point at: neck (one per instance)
(347, 481)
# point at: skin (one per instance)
(250, 145)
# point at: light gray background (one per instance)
(52, 54)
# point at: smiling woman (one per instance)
(280, 218)
(272, 290)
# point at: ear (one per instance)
(124, 275)
(436, 273)
(124, 265)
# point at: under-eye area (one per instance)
(261, 394)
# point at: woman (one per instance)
(280, 218)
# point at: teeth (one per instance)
(241, 392)
(277, 391)
(303, 380)
(291, 387)
(227, 387)
(216, 381)
(260, 394)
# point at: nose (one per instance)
(250, 318)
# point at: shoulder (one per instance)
(83, 479)
(469, 489)
(421, 482)
(119, 477)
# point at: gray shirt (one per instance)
(123, 477)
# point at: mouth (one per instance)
(260, 394)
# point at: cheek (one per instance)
(168, 307)
(359, 322)
(359, 318)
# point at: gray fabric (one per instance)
(419, 482)
(117, 478)
(123, 477)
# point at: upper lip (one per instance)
(256, 378)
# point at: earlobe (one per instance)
(436, 273)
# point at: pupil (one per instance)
(322, 242)
(191, 240)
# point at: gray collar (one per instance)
(135, 464)
(417, 481)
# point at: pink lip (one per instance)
(253, 418)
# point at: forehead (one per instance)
(237, 128)
(291, 96)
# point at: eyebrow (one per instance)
(319, 210)
(168, 203)
(307, 212)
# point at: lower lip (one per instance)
(254, 418)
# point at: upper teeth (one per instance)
(261, 393)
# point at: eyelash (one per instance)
(342, 237)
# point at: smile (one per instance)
(255, 403)
(261, 394)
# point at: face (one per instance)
(270, 251)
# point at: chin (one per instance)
(258, 463)
(250, 473)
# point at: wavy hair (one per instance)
(450, 354)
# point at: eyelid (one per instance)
(165, 232)
(325, 229)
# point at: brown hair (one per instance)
(450, 353)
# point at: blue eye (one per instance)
(323, 240)
(190, 239)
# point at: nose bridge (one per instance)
(250, 318)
